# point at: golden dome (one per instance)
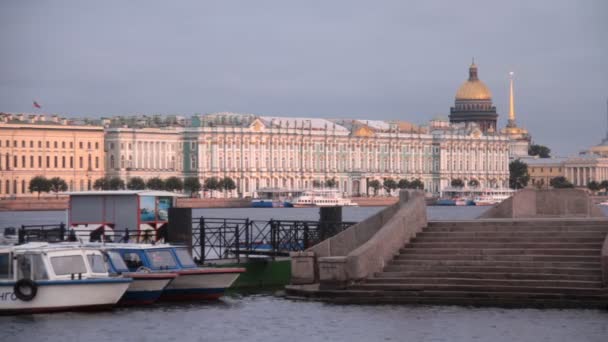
(473, 88)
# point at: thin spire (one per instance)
(511, 102)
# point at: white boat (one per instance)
(192, 282)
(493, 197)
(42, 277)
(603, 203)
(322, 198)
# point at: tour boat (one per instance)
(39, 277)
(274, 198)
(192, 282)
(321, 198)
(147, 286)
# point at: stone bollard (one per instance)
(303, 268)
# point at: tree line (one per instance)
(191, 185)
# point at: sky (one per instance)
(382, 60)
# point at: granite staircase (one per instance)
(509, 263)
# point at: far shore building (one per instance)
(35, 145)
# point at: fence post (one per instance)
(273, 237)
(21, 235)
(247, 232)
(237, 242)
(306, 242)
(202, 238)
(61, 231)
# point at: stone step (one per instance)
(561, 222)
(506, 258)
(465, 228)
(489, 275)
(553, 245)
(418, 250)
(592, 272)
(481, 288)
(494, 263)
(438, 238)
(530, 235)
(491, 299)
(424, 281)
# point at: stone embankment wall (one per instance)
(364, 248)
(530, 203)
(26, 204)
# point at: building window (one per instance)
(80, 144)
(71, 144)
(55, 144)
(31, 161)
(63, 162)
(96, 145)
(71, 162)
(63, 144)
(23, 162)
(15, 161)
(96, 162)
(39, 161)
(56, 164)
(23, 189)
(39, 144)
(48, 161)
(48, 144)
(111, 161)
(22, 143)
(80, 162)
(89, 145)
(31, 143)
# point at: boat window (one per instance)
(69, 264)
(117, 261)
(132, 260)
(161, 258)
(184, 257)
(31, 266)
(5, 266)
(97, 264)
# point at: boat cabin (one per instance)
(132, 257)
(141, 214)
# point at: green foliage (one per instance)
(39, 184)
(58, 185)
(604, 185)
(518, 174)
(155, 183)
(192, 185)
(389, 184)
(226, 184)
(457, 183)
(403, 184)
(473, 183)
(540, 151)
(211, 184)
(136, 183)
(374, 184)
(331, 183)
(417, 184)
(101, 184)
(560, 183)
(174, 184)
(316, 184)
(115, 183)
(594, 186)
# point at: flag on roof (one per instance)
(37, 105)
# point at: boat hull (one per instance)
(201, 284)
(146, 288)
(65, 295)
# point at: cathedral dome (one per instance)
(473, 88)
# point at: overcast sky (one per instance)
(357, 59)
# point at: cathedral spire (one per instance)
(511, 122)
(473, 71)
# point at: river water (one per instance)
(269, 318)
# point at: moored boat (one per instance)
(192, 282)
(321, 198)
(38, 277)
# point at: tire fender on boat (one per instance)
(23, 284)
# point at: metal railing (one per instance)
(229, 238)
(59, 232)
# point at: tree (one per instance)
(136, 183)
(518, 174)
(331, 183)
(473, 183)
(540, 151)
(101, 184)
(417, 184)
(560, 183)
(155, 183)
(604, 185)
(226, 184)
(316, 184)
(457, 183)
(389, 185)
(374, 184)
(211, 184)
(174, 184)
(594, 186)
(39, 184)
(403, 184)
(58, 185)
(116, 183)
(192, 185)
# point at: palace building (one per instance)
(34, 145)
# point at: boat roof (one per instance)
(117, 245)
(41, 247)
(156, 193)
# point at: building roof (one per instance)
(473, 88)
(155, 193)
